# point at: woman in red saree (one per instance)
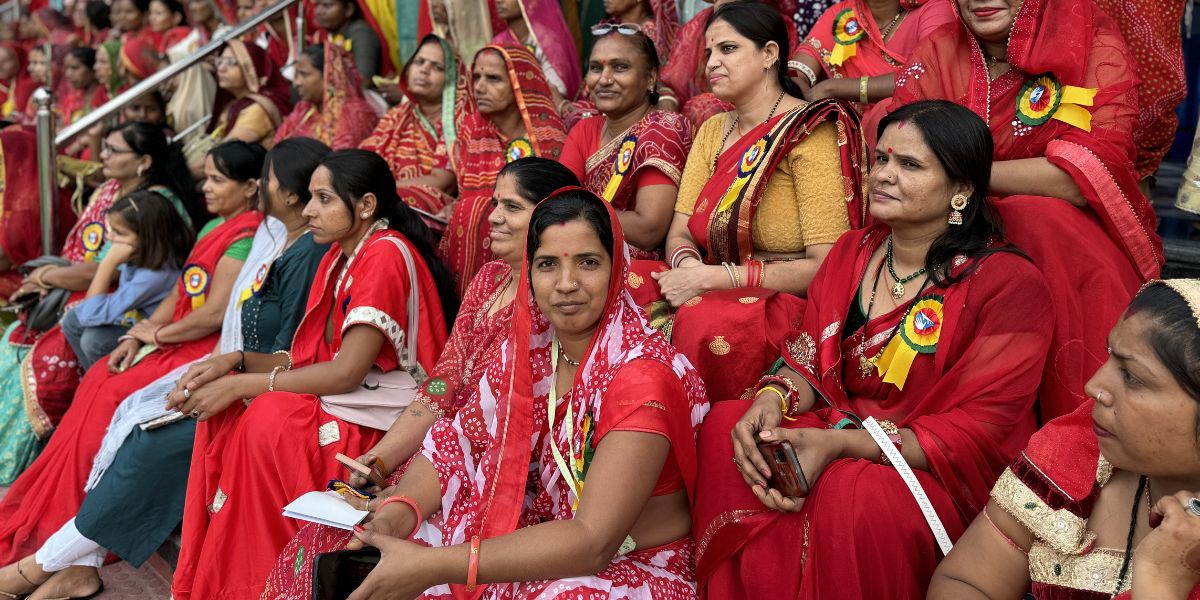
(250, 459)
(332, 108)
(658, 19)
(757, 211)
(504, 479)
(483, 323)
(167, 20)
(416, 136)
(184, 327)
(16, 86)
(538, 25)
(20, 211)
(82, 93)
(1060, 98)
(854, 39)
(1102, 502)
(631, 155)
(516, 118)
(950, 355)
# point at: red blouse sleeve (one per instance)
(580, 144)
(646, 396)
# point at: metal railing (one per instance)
(47, 142)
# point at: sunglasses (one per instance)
(623, 29)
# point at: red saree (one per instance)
(15, 93)
(481, 152)
(251, 460)
(345, 118)
(412, 145)
(51, 490)
(652, 152)
(731, 336)
(1062, 472)
(873, 55)
(969, 403)
(473, 345)
(628, 369)
(661, 26)
(20, 212)
(1117, 227)
(551, 42)
(139, 59)
(76, 103)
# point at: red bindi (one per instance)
(889, 150)
(565, 255)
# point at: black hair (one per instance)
(176, 7)
(1173, 335)
(644, 46)
(97, 14)
(356, 173)
(293, 161)
(143, 6)
(316, 55)
(760, 23)
(238, 160)
(962, 143)
(85, 55)
(571, 205)
(537, 177)
(168, 168)
(159, 101)
(164, 238)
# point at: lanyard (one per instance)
(552, 408)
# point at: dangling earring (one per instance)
(957, 204)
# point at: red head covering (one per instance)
(140, 58)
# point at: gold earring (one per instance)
(957, 204)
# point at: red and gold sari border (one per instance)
(1025, 492)
(1097, 571)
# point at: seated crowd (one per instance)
(805, 309)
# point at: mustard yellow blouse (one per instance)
(803, 203)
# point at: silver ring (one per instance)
(195, 414)
(187, 394)
(1193, 506)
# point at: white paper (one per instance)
(325, 508)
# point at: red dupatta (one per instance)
(661, 140)
(481, 151)
(726, 205)
(140, 58)
(345, 118)
(872, 54)
(194, 281)
(15, 93)
(661, 27)
(551, 37)
(1045, 52)
(515, 391)
(20, 212)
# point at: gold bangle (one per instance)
(862, 89)
(271, 379)
(289, 357)
(783, 403)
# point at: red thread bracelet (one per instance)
(473, 564)
(411, 504)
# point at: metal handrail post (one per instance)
(47, 166)
(112, 106)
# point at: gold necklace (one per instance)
(734, 124)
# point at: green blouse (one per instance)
(270, 318)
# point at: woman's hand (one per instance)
(27, 288)
(815, 449)
(764, 414)
(211, 399)
(372, 482)
(120, 358)
(144, 331)
(1166, 562)
(403, 570)
(687, 281)
(201, 373)
(826, 88)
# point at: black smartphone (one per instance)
(786, 474)
(337, 574)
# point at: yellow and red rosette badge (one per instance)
(93, 240)
(195, 284)
(749, 162)
(919, 333)
(1044, 98)
(517, 149)
(621, 166)
(847, 31)
(255, 287)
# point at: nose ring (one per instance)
(575, 284)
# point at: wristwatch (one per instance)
(893, 434)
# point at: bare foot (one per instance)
(71, 582)
(21, 577)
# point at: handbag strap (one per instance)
(409, 360)
(893, 454)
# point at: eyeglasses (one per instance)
(110, 149)
(623, 29)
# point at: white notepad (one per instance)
(326, 508)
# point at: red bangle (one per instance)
(473, 564)
(411, 504)
(156, 330)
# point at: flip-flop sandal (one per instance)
(98, 591)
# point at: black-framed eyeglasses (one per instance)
(622, 28)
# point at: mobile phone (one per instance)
(337, 574)
(159, 422)
(786, 474)
(353, 465)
